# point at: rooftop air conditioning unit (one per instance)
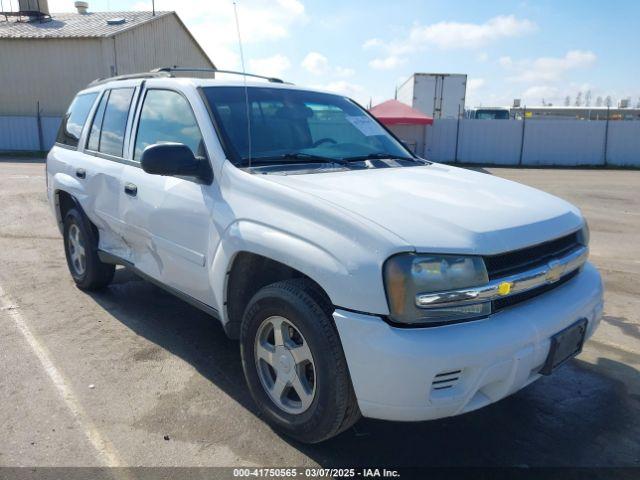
(35, 6)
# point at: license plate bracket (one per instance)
(565, 344)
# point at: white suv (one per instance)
(359, 279)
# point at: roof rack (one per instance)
(132, 76)
(166, 72)
(215, 70)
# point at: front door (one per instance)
(168, 219)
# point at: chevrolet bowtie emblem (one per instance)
(556, 269)
(505, 288)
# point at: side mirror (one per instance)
(173, 159)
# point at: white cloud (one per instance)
(274, 66)
(449, 35)
(213, 23)
(387, 63)
(482, 57)
(505, 61)
(318, 64)
(549, 69)
(372, 43)
(343, 87)
(474, 84)
(344, 72)
(536, 93)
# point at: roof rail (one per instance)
(215, 70)
(132, 76)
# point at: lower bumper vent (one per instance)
(446, 380)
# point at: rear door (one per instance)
(66, 165)
(103, 161)
(168, 219)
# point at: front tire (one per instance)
(81, 250)
(294, 364)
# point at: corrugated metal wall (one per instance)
(161, 43)
(52, 70)
(47, 70)
(537, 142)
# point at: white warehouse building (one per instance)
(44, 61)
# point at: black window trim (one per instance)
(107, 156)
(136, 123)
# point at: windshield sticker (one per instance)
(366, 125)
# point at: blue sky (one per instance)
(533, 49)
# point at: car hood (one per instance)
(439, 208)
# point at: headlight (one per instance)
(408, 275)
(584, 234)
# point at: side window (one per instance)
(166, 116)
(114, 122)
(94, 135)
(73, 121)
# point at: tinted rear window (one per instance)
(94, 133)
(74, 119)
(114, 122)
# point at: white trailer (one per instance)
(439, 95)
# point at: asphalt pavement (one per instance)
(132, 376)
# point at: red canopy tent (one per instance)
(393, 112)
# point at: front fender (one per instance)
(355, 284)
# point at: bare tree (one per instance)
(567, 101)
(638, 104)
(578, 102)
(608, 101)
(587, 98)
(599, 101)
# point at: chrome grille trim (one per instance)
(547, 274)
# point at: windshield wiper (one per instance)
(306, 157)
(377, 156)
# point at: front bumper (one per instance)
(411, 374)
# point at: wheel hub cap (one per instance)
(77, 254)
(285, 365)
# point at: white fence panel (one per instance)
(18, 133)
(564, 142)
(623, 144)
(50, 126)
(490, 141)
(441, 140)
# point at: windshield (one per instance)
(297, 126)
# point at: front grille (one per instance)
(524, 296)
(505, 264)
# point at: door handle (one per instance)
(81, 173)
(130, 189)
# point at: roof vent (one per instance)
(81, 7)
(116, 21)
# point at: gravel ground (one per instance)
(142, 379)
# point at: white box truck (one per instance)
(439, 95)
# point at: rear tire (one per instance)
(81, 250)
(326, 404)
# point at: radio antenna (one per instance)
(246, 90)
